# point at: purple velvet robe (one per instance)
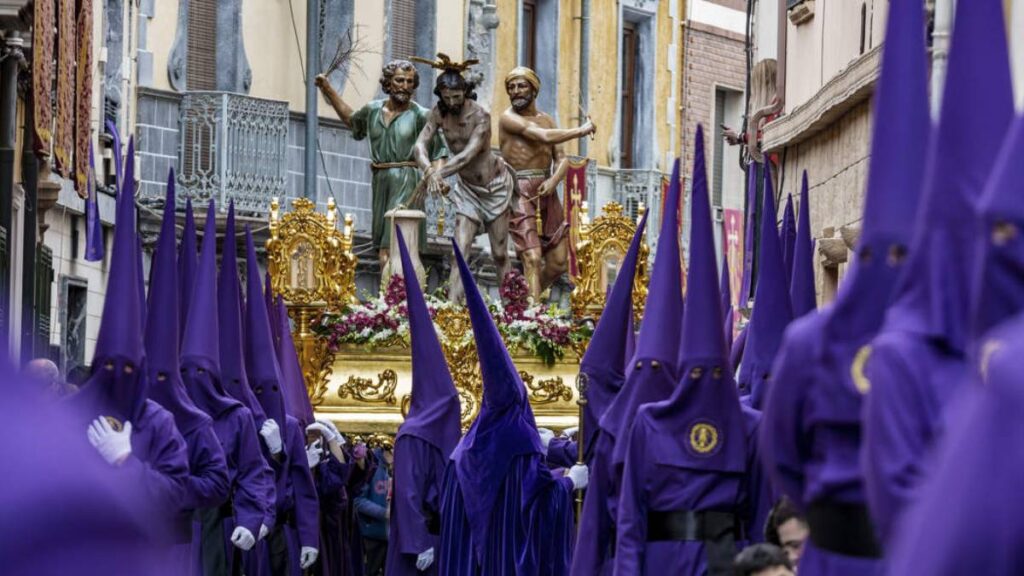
(416, 505)
(562, 453)
(911, 382)
(331, 479)
(648, 485)
(811, 434)
(531, 525)
(598, 519)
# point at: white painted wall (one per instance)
(717, 15)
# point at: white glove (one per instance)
(325, 431)
(272, 436)
(314, 452)
(263, 531)
(580, 476)
(307, 556)
(545, 438)
(113, 446)
(570, 431)
(425, 559)
(243, 538)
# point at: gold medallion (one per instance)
(703, 437)
(114, 423)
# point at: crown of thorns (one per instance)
(444, 62)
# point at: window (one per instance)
(529, 34)
(72, 347)
(630, 51)
(201, 73)
(403, 29)
(719, 147)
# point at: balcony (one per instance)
(635, 187)
(233, 147)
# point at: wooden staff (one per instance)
(582, 381)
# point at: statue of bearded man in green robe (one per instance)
(392, 125)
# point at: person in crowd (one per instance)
(762, 560)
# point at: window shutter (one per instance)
(44, 286)
(403, 29)
(719, 144)
(202, 45)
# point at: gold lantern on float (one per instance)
(312, 267)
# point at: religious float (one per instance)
(355, 355)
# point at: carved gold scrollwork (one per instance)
(546, 391)
(602, 246)
(383, 391)
(373, 441)
(460, 351)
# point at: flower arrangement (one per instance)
(383, 321)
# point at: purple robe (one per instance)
(562, 453)
(598, 519)
(299, 507)
(530, 526)
(331, 479)
(648, 484)
(416, 505)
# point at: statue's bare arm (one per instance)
(515, 124)
(421, 150)
(334, 99)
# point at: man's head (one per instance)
(787, 529)
(522, 86)
(399, 79)
(45, 374)
(452, 90)
(762, 560)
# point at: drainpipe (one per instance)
(12, 60)
(312, 122)
(29, 181)
(584, 68)
(940, 52)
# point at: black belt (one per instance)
(226, 510)
(690, 525)
(719, 532)
(844, 529)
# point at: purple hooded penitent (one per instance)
(772, 308)
(811, 438)
(187, 263)
(425, 440)
(296, 493)
(502, 510)
(207, 484)
(94, 248)
(801, 285)
(651, 375)
(296, 397)
(920, 358)
(604, 367)
(119, 386)
(690, 453)
(232, 343)
(787, 236)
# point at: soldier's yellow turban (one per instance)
(524, 73)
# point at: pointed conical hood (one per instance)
(232, 339)
(728, 320)
(801, 287)
(902, 127)
(651, 373)
(200, 344)
(659, 332)
(94, 244)
(118, 384)
(787, 235)
(434, 412)
(163, 367)
(261, 366)
(977, 110)
(187, 263)
(772, 307)
(704, 410)
(297, 399)
(610, 348)
(505, 428)
(999, 280)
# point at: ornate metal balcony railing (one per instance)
(636, 187)
(233, 147)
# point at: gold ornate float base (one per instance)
(367, 390)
